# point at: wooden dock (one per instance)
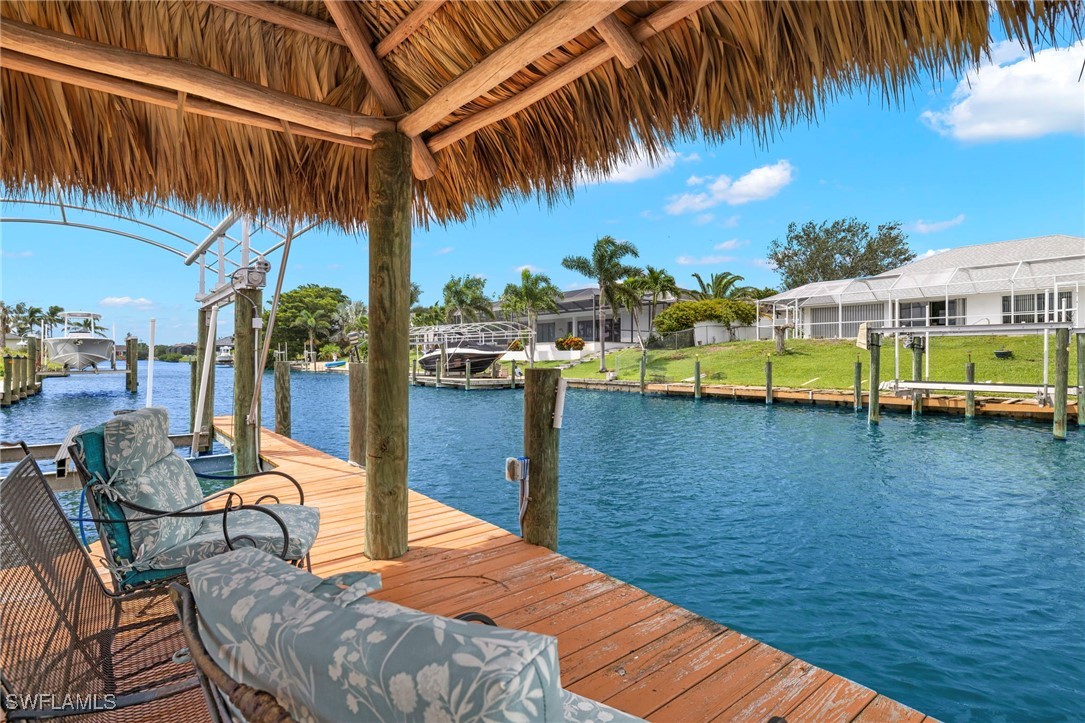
(617, 643)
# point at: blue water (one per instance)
(940, 561)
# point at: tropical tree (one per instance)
(6, 320)
(841, 249)
(428, 315)
(658, 284)
(86, 326)
(630, 295)
(465, 299)
(307, 297)
(33, 315)
(350, 317)
(723, 285)
(313, 323)
(416, 293)
(52, 317)
(534, 294)
(607, 267)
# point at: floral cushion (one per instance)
(145, 470)
(578, 709)
(371, 660)
(302, 524)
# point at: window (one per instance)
(546, 332)
(1038, 308)
(586, 330)
(913, 313)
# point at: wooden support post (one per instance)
(282, 398)
(643, 369)
(193, 392)
(917, 373)
(389, 216)
(357, 414)
(9, 379)
(858, 384)
(494, 369)
(874, 406)
(131, 364)
(768, 381)
(20, 378)
(32, 367)
(203, 330)
(697, 378)
(467, 377)
(1080, 379)
(970, 395)
(414, 371)
(512, 375)
(1062, 379)
(440, 366)
(540, 523)
(247, 306)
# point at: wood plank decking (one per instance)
(617, 643)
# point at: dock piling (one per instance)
(874, 409)
(1062, 374)
(643, 369)
(33, 366)
(697, 378)
(917, 373)
(467, 377)
(970, 395)
(768, 380)
(540, 520)
(247, 306)
(357, 393)
(1080, 379)
(440, 366)
(512, 375)
(858, 384)
(414, 371)
(9, 373)
(20, 378)
(282, 398)
(205, 337)
(131, 364)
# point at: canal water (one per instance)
(940, 561)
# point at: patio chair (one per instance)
(151, 514)
(298, 648)
(67, 645)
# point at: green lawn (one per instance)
(823, 364)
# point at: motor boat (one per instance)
(224, 355)
(481, 356)
(83, 345)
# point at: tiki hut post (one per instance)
(389, 218)
(247, 307)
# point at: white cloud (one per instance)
(730, 245)
(703, 260)
(650, 215)
(639, 167)
(703, 219)
(140, 303)
(1014, 96)
(443, 251)
(528, 267)
(18, 254)
(763, 264)
(695, 180)
(922, 226)
(931, 252)
(730, 221)
(757, 185)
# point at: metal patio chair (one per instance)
(68, 646)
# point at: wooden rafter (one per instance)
(414, 20)
(583, 64)
(617, 36)
(187, 78)
(269, 12)
(360, 43)
(557, 27)
(163, 98)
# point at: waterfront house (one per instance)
(1023, 281)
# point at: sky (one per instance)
(997, 155)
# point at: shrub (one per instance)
(329, 351)
(569, 343)
(685, 314)
(516, 345)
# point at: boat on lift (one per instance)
(224, 355)
(481, 356)
(83, 345)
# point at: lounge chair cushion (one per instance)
(91, 443)
(302, 524)
(145, 470)
(370, 660)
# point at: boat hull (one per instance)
(456, 360)
(78, 353)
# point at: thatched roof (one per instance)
(508, 99)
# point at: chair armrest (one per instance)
(227, 477)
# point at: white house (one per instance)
(1025, 281)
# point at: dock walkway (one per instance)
(617, 643)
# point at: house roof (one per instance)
(271, 108)
(1041, 262)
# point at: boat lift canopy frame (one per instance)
(481, 332)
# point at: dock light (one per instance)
(516, 468)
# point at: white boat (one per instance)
(82, 345)
(224, 355)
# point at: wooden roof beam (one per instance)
(359, 41)
(557, 27)
(278, 15)
(414, 20)
(617, 36)
(188, 78)
(583, 64)
(162, 98)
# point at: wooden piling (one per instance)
(389, 217)
(282, 398)
(1062, 378)
(858, 386)
(768, 381)
(414, 371)
(540, 523)
(203, 331)
(643, 370)
(9, 379)
(512, 375)
(970, 395)
(1080, 379)
(131, 364)
(917, 374)
(467, 376)
(440, 366)
(32, 366)
(697, 378)
(357, 381)
(193, 393)
(247, 306)
(874, 409)
(20, 378)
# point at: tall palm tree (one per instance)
(313, 323)
(658, 284)
(52, 317)
(630, 295)
(34, 315)
(351, 316)
(6, 320)
(723, 285)
(465, 299)
(534, 294)
(87, 326)
(607, 268)
(427, 315)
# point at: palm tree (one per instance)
(465, 299)
(351, 316)
(630, 295)
(416, 293)
(6, 319)
(607, 268)
(427, 315)
(659, 284)
(724, 285)
(34, 315)
(313, 323)
(52, 317)
(534, 294)
(87, 326)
